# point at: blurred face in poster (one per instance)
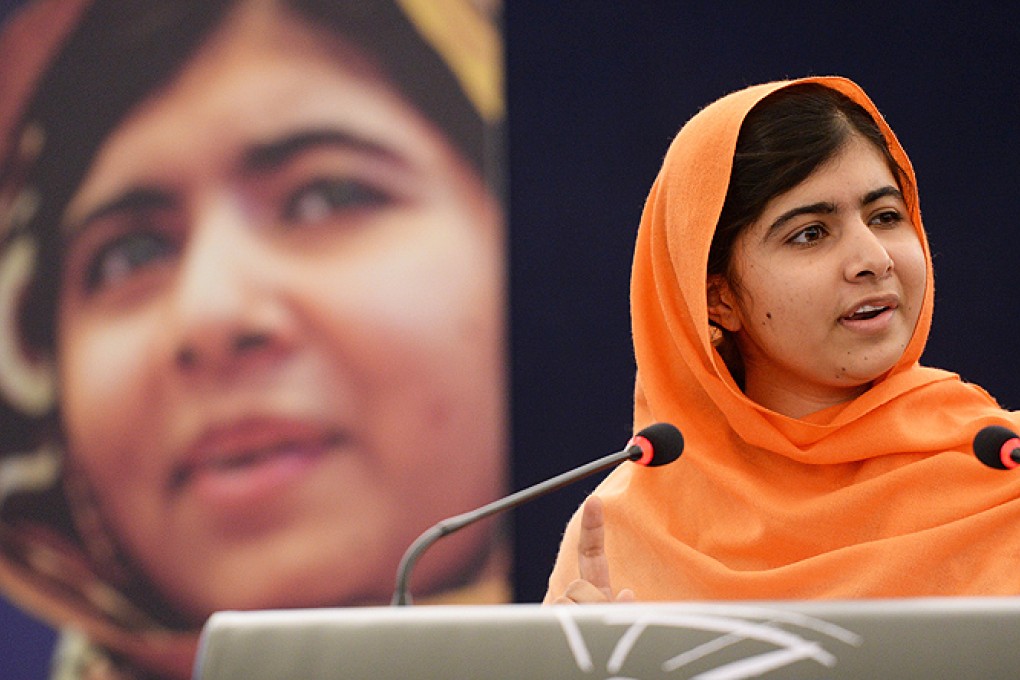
(281, 329)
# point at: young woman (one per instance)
(781, 299)
(252, 284)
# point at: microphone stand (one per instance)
(402, 596)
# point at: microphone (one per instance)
(653, 446)
(997, 447)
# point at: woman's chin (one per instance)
(285, 589)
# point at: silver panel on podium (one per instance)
(902, 639)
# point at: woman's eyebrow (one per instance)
(259, 158)
(825, 207)
(134, 199)
(272, 154)
(821, 207)
(881, 193)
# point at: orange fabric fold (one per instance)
(879, 497)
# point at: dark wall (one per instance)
(598, 88)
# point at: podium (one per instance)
(897, 638)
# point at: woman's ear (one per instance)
(722, 303)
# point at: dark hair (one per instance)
(784, 139)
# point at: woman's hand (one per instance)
(594, 584)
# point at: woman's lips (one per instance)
(871, 315)
(249, 461)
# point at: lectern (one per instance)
(901, 639)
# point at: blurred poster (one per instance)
(253, 287)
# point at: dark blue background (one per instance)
(597, 88)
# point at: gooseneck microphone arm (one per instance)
(655, 445)
(451, 524)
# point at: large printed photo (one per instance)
(252, 279)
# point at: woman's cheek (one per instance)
(102, 375)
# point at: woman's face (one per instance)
(829, 285)
(281, 329)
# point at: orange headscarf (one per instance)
(879, 497)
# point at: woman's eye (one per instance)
(888, 218)
(808, 234)
(324, 198)
(124, 256)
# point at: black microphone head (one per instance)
(989, 443)
(666, 444)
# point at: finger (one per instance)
(581, 592)
(626, 595)
(591, 547)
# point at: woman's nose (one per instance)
(225, 306)
(867, 255)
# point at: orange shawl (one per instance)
(879, 497)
